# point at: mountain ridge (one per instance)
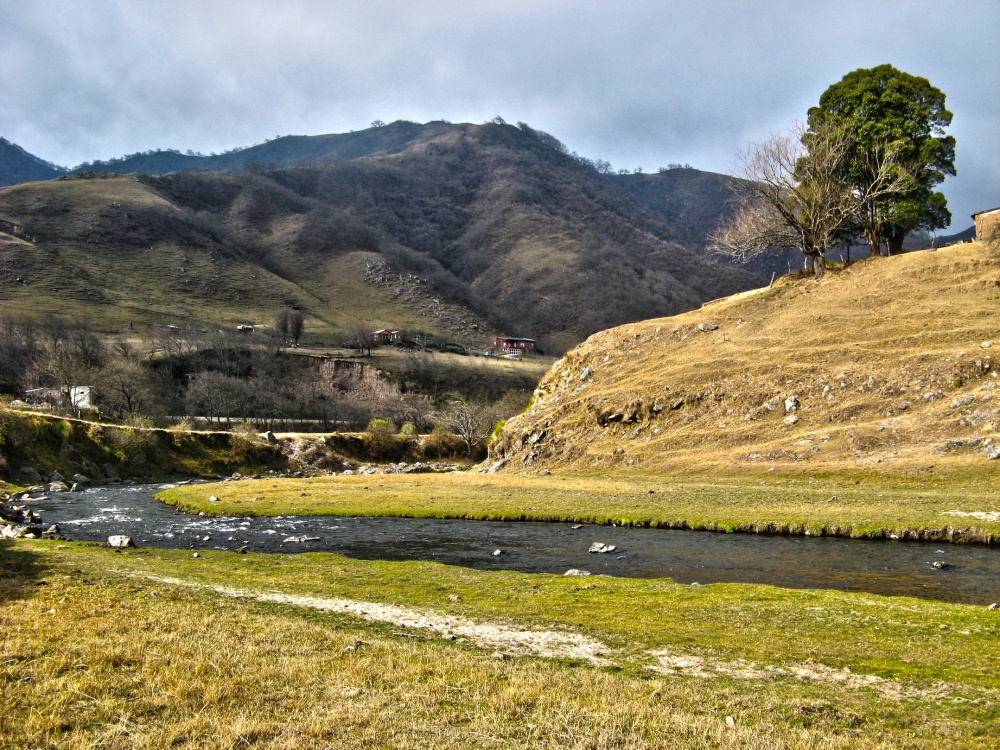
(496, 218)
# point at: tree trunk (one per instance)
(819, 266)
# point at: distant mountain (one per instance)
(456, 228)
(286, 151)
(17, 165)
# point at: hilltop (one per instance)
(456, 230)
(17, 165)
(886, 367)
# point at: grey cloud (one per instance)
(637, 83)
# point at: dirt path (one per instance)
(508, 640)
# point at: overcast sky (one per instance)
(641, 84)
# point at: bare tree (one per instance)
(363, 338)
(296, 325)
(472, 421)
(791, 192)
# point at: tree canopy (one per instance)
(900, 117)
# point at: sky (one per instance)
(637, 83)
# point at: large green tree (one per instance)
(897, 118)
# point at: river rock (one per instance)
(53, 530)
(120, 541)
(58, 487)
(576, 572)
(601, 548)
(77, 487)
(80, 479)
(55, 476)
(298, 539)
(31, 475)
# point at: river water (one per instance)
(970, 573)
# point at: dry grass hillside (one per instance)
(885, 367)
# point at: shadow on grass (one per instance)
(20, 567)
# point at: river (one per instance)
(967, 573)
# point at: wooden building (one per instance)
(513, 345)
(385, 336)
(987, 223)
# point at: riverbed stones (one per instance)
(601, 548)
(120, 541)
(58, 487)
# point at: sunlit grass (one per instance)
(96, 652)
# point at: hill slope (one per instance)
(458, 228)
(17, 165)
(884, 366)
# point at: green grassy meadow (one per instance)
(831, 505)
(153, 648)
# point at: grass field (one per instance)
(833, 506)
(153, 648)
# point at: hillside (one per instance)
(886, 367)
(457, 230)
(17, 165)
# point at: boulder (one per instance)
(120, 541)
(53, 530)
(707, 327)
(77, 487)
(80, 479)
(497, 465)
(55, 476)
(270, 437)
(58, 487)
(576, 572)
(31, 475)
(601, 548)
(791, 404)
